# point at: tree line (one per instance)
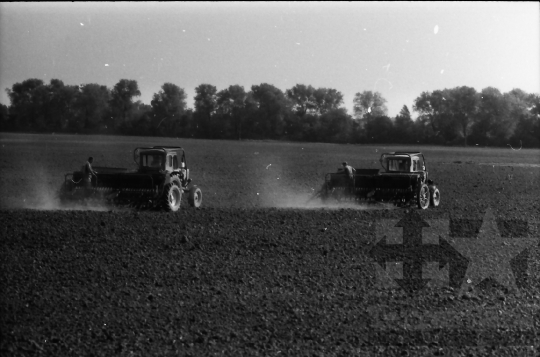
(456, 116)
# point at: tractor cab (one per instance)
(157, 158)
(403, 162)
(163, 160)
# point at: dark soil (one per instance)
(293, 282)
(254, 271)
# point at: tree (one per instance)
(301, 97)
(463, 107)
(403, 127)
(379, 129)
(534, 102)
(41, 99)
(168, 105)
(405, 113)
(122, 98)
(271, 110)
(431, 106)
(26, 103)
(140, 123)
(435, 109)
(327, 99)
(527, 132)
(423, 132)
(525, 111)
(5, 123)
(369, 102)
(205, 107)
(231, 104)
(92, 104)
(306, 99)
(336, 126)
(186, 126)
(61, 105)
(519, 103)
(493, 124)
(140, 109)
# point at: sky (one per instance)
(399, 49)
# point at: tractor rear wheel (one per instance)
(423, 196)
(195, 197)
(435, 198)
(172, 196)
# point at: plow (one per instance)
(159, 182)
(403, 181)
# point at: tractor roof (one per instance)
(404, 153)
(400, 154)
(162, 149)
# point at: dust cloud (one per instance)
(273, 182)
(307, 201)
(277, 192)
(43, 194)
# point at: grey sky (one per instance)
(398, 49)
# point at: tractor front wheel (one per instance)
(172, 196)
(195, 197)
(435, 198)
(423, 196)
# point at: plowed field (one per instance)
(256, 270)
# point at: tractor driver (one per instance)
(349, 172)
(89, 172)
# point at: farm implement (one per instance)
(403, 181)
(161, 178)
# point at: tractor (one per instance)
(402, 181)
(160, 180)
